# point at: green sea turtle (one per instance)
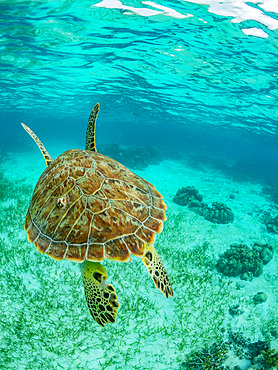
(87, 207)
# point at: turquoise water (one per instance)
(188, 97)
(188, 67)
(182, 71)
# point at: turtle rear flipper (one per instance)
(157, 271)
(101, 297)
(47, 157)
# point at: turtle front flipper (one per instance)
(91, 129)
(101, 297)
(47, 157)
(157, 271)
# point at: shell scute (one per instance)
(96, 204)
(68, 218)
(146, 234)
(90, 183)
(114, 189)
(159, 203)
(50, 215)
(76, 252)
(31, 229)
(82, 161)
(135, 245)
(80, 231)
(110, 168)
(118, 189)
(133, 208)
(75, 158)
(56, 250)
(47, 185)
(158, 213)
(110, 224)
(116, 250)
(95, 252)
(137, 183)
(78, 172)
(42, 243)
(154, 224)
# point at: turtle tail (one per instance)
(47, 157)
(101, 297)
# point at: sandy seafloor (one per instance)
(45, 323)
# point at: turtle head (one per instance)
(95, 271)
(101, 297)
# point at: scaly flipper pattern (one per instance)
(91, 129)
(157, 271)
(101, 297)
(47, 157)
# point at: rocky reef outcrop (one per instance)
(241, 260)
(217, 212)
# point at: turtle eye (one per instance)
(97, 276)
